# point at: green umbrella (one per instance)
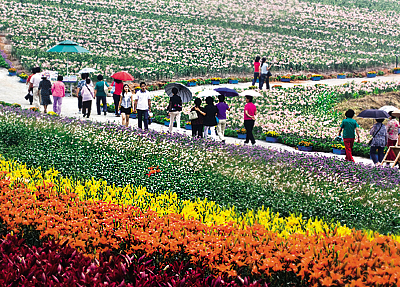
(67, 47)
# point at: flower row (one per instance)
(95, 227)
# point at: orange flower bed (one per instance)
(92, 227)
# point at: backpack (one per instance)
(176, 105)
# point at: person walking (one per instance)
(87, 97)
(58, 92)
(29, 96)
(100, 94)
(34, 86)
(392, 128)
(210, 120)
(264, 77)
(125, 104)
(142, 106)
(379, 141)
(197, 124)
(45, 92)
(222, 108)
(256, 70)
(81, 84)
(349, 126)
(174, 108)
(118, 86)
(250, 112)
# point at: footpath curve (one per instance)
(12, 91)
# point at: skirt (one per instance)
(126, 111)
(46, 100)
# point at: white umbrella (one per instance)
(87, 70)
(250, 93)
(388, 108)
(396, 113)
(208, 93)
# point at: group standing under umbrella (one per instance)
(382, 135)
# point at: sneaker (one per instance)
(223, 141)
(105, 113)
(246, 143)
(80, 111)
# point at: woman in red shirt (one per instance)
(117, 94)
(256, 70)
(250, 112)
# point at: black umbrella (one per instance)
(183, 91)
(374, 114)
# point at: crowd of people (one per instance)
(206, 120)
(382, 136)
(210, 119)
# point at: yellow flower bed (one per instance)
(206, 211)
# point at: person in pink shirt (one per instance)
(58, 92)
(256, 70)
(250, 112)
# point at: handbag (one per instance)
(370, 141)
(269, 74)
(112, 89)
(193, 115)
(105, 88)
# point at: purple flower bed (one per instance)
(325, 167)
(7, 61)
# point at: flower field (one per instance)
(301, 112)
(127, 225)
(164, 39)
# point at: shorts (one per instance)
(126, 111)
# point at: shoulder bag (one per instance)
(370, 142)
(113, 88)
(105, 88)
(193, 115)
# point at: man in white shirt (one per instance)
(34, 84)
(142, 106)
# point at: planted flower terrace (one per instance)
(149, 212)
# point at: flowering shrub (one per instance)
(305, 143)
(12, 70)
(285, 77)
(316, 76)
(192, 80)
(272, 134)
(23, 76)
(338, 146)
(166, 119)
(371, 72)
(188, 123)
(52, 113)
(241, 131)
